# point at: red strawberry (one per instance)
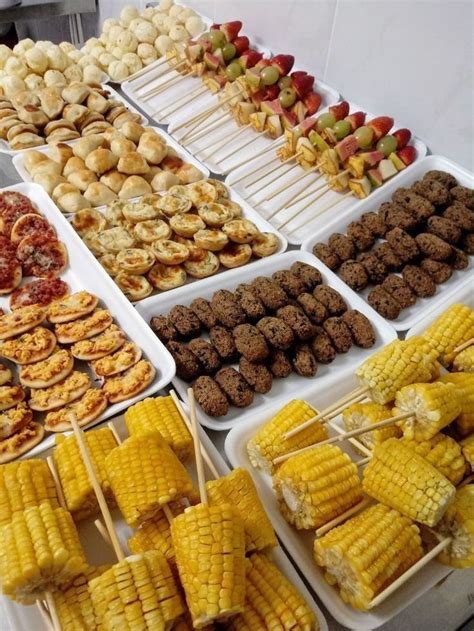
(357, 119)
(407, 154)
(303, 85)
(215, 27)
(231, 29)
(381, 126)
(340, 110)
(312, 102)
(249, 58)
(241, 43)
(403, 137)
(284, 63)
(272, 92)
(298, 73)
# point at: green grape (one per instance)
(270, 75)
(285, 82)
(387, 145)
(217, 39)
(342, 129)
(229, 51)
(233, 70)
(287, 97)
(364, 136)
(326, 120)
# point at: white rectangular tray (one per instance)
(299, 544)
(309, 219)
(342, 368)
(406, 178)
(84, 272)
(20, 618)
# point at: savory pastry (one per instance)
(135, 260)
(116, 239)
(10, 396)
(169, 252)
(99, 160)
(20, 321)
(98, 194)
(152, 230)
(86, 409)
(186, 224)
(113, 180)
(134, 286)
(89, 221)
(213, 240)
(90, 326)
(134, 186)
(82, 179)
(72, 307)
(109, 263)
(265, 244)
(202, 266)
(39, 292)
(132, 382)
(96, 347)
(240, 230)
(165, 277)
(235, 255)
(172, 205)
(215, 215)
(201, 193)
(34, 346)
(140, 212)
(46, 373)
(63, 393)
(123, 359)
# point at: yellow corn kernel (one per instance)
(443, 452)
(467, 446)
(360, 415)
(464, 381)
(458, 523)
(451, 329)
(464, 361)
(155, 534)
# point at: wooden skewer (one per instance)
(150, 67)
(217, 122)
(343, 517)
(246, 175)
(302, 209)
(289, 184)
(161, 88)
(221, 143)
(52, 611)
(168, 70)
(363, 461)
(209, 111)
(111, 426)
(276, 167)
(285, 203)
(197, 450)
(103, 531)
(44, 612)
(57, 483)
(271, 147)
(300, 197)
(336, 202)
(463, 347)
(187, 98)
(238, 149)
(353, 441)
(277, 177)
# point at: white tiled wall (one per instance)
(410, 58)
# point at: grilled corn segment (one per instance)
(160, 415)
(145, 474)
(136, 594)
(75, 482)
(155, 534)
(443, 452)
(458, 523)
(209, 543)
(467, 446)
(271, 601)
(464, 381)
(269, 442)
(434, 405)
(368, 552)
(451, 329)
(23, 484)
(237, 488)
(316, 486)
(403, 480)
(365, 414)
(464, 361)
(40, 549)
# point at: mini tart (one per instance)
(5, 374)
(114, 213)
(134, 286)
(165, 277)
(169, 252)
(118, 362)
(21, 442)
(221, 188)
(63, 393)
(94, 245)
(89, 407)
(116, 239)
(107, 342)
(10, 396)
(201, 193)
(46, 373)
(72, 307)
(186, 224)
(179, 190)
(31, 347)
(135, 260)
(265, 244)
(172, 205)
(14, 419)
(234, 208)
(240, 230)
(206, 266)
(149, 231)
(71, 332)
(109, 263)
(140, 212)
(235, 255)
(89, 221)
(215, 215)
(213, 240)
(131, 383)
(20, 321)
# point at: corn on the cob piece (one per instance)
(458, 523)
(398, 364)
(464, 381)
(209, 543)
(443, 452)
(316, 486)
(186, 624)
(145, 474)
(464, 361)
(75, 482)
(467, 446)
(40, 549)
(368, 552)
(136, 594)
(400, 478)
(271, 601)
(434, 405)
(23, 484)
(237, 488)
(269, 442)
(155, 534)
(451, 329)
(365, 414)
(160, 415)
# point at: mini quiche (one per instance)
(118, 362)
(20, 321)
(31, 347)
(131, 383)
(46, 373)
(71, 332)
(96, 347)
(86, 409)
(72, 307)
(63, 393)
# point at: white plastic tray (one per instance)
(17, 617)
(342, 368)
(409, 316)
(5, 147)
(308, 220)
(84, 272)
(299, 544)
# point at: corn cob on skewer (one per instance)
(443, 452)
(365, 414)
(467, 446)
(458, 523)
(464, 361)
(464, 381)
(451, 329)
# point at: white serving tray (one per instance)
(309, 220)
(5, 147)
(19, 617)
(409, 316)
(84, 272)
(342, 368)
(299, 544)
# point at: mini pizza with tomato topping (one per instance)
(39, 292)
(31, 224)
(10, 199)
(42, 256)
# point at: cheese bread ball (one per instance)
(147, 53)
(15, 67)
(73, 73)
(57, 59)
(5, 53)
(93, 74)
(118, 71)
(22, 46)
(194, 25)
(34, 82)
(108, 23)
(127, 14)
(54, 78)
(37, 60)
(127, 42)
(146, 32)
(163, 43)
(12, 85)
(133, 62)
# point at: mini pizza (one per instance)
(5, 375)
(30, 347)
(31, 224)
(7, 247)
(61, 394)
(21, 442)
(107, 342)
(46, 373)
(42, 256)
(131, 383)
(10, 199)
(118, 362)
(86, 409)
(14, 419)
(72, 307)
(11, 215)
(20, 321)
(134, 286)
(71, 332)
(10, 396)
(10, 273)
(39, 292)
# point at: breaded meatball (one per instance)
(417, 205)
(279, 364)
(467, 244)
(228, 311)
(203, 311)
(434, 191)
(384, 303)
(396, 216)
(276, 332)
(327, 256)
(289, 282)
(361, 329)
(420, 282)
(185, 321)
(206, 354)
(362, 238)
(342, 245)
(308, 275)
(257, 376)
(458, 259)
(444, 229)
(270, 293)
(187, 364)
(445, 178)
(460, 215)
(384, 252)
(251, 305)
(250, 343)
(322, 348)
(210, 397)
(339, 333)
(353, 274)
(374, 267)
(331, 299)
(464, 195)
(397, 287)
(164, 329)
(402, 244)
(314, 309)
(303, 361)
(223, 341)
(374, 224)
(440, 272)
(235, 387)
(298, 322)
(433, 247)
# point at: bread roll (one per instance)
(99, 194)
(32, 114)
(132, 130)
(114, 180)
(76, 92)
(61, 153)
(62, 135)
(32, 158)
(72, 202)
(97, 103)
(134, 186)
(163, 181)
(101, 160)
(73, 164)
(152, 147)
(121, 145)
(132, 163)
(63, 189)
(48, 181)
(82, 148)
(51, 104)
(46, 166)
(82, 179)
